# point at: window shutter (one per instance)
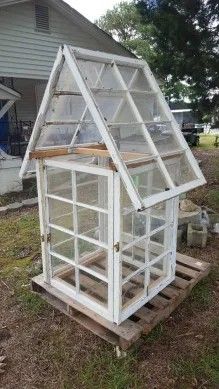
(42, 17)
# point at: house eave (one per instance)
(77, 18)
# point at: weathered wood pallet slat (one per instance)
(189, 272)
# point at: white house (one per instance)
(30, 33)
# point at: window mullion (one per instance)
(146, 134)
(75, 227)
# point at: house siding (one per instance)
(27, 53)
(26, 108)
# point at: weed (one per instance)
(202, 295)
(213, 198)
(155, 334)
(206, 366)
(30, 301)
(105, 371)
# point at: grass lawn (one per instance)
(207, 141)
(44, 349)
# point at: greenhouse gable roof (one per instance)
(111, 107)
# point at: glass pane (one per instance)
(97, 262)
(108, 106)
(56, 135)
(163, 137)
(92, 189)
(158, 215)
(122, 111)
(65, 108)
(60, 213)
(180, 170)
(62, 270)
(59, 182)
(133, 226)
(159, 211)
(140, 82)
(92, 224)
(133, 289)
(62, 244)
(99, 75)
(87, 250)
(156, 223)
(66, 81)
(127, 73)
(128, 267)
(148, 107)
(156, 245)
(157, 272)
(135, 255)
(93, 288)
(148, 179)
(88, 133)
(130, 138)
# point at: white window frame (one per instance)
(45, 226)
(70, 55)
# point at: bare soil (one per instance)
(44, 349)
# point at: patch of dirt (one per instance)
(47, 350)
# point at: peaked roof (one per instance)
(100, 104)
(78, 18)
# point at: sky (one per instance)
(92, 9)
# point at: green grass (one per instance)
(19, 245)
(155, 334)
(212, 198)
(106, 371)
(202, 295)
(205, 366)
(20, 241)
(207, 141)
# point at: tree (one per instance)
(186, 41)
(124, 23)
(179, 39)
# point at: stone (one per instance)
(189, 217)
(197, 235)
(30, 202)
(188, 206)
(216, 228)
(3, 210)
(15, 206)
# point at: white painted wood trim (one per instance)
(43, 108)
(103, 129)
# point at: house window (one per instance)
(42, 17)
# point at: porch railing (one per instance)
(15, 136)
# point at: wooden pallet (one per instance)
(189, 271)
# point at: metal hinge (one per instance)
(116, 247)
(48, 238)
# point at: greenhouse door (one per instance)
(79, 251)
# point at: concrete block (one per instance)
(30, 202)
(9, 173)
(3, 210)
(189, 217)
(197, 235)
(15, 206)
(179, 238)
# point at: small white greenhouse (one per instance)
(111, 162)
